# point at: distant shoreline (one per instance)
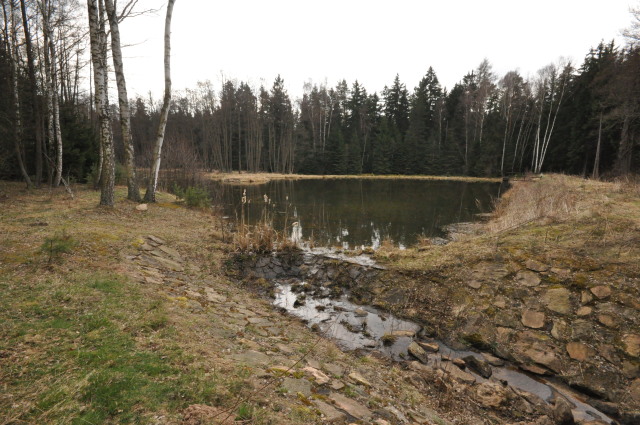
(262, 178)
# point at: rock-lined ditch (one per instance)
(330, 293)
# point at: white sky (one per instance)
(368, 40)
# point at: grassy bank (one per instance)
(101, 323)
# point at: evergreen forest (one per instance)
(577, 118)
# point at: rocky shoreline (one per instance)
(525, 314)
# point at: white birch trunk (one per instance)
(133, 193)
(150, 195)
(99, 60)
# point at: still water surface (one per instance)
(350, 213)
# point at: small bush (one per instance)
(193, 197)
(57, 245)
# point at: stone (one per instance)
(535, 369)
(461, 375)
(402, 333)
(334, 369)
(350, 406)
(492, 360)
(559, 329)
(533, 319)
(584, 311)
(355, 376)
(418, 352)
(607, 320)
(360, 312)
(319, 376)
(170, 264)
(431, 347)
(527, 278)
(458, 362)
(601, 291)
(634, 390)
(536, 266)
(155, 239)
(381, 421)
(171, 252)
(295, 386)
(474, 284)
(213, 296)
(147, 247)
(481, 367)
(251, 358)
(558, 300)
(142, 207)
(491, 394)
(586, 297)
(631, 344)
(630, 369)
(500, 302)
(546, 358)
(562, 414)
(579, 351)
(330, 413)
(337, 385)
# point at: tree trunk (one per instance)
(34, 93)
(596, 163)
(12, 46)
(99, 60)
(133, 193)
(150, 195)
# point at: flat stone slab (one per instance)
(601, 291)
(533, 319)
(355, 376)
(632, 344)
(252, 358)
(528, 278)
(418, 352)
(350, 406)
(330, 413)
(295, 386)
(579, 351)
(319, 376)
(536, 266)
(558, 300)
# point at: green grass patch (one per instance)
(71, 352)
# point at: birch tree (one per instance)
(150, 195)
(133, 193)
(550, 89)
(98, 38)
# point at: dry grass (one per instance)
(553, 198)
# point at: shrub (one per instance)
(193, 197)
(57, 245)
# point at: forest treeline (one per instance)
(576, 118)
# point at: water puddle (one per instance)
(363, 327)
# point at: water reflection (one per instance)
(361, 212)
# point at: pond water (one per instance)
(350, 213)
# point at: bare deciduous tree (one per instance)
(150, 195)
(133, 193)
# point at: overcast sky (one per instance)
(368, 40)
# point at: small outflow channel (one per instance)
(313, 286)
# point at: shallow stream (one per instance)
(363, 327)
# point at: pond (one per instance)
(351, 213)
